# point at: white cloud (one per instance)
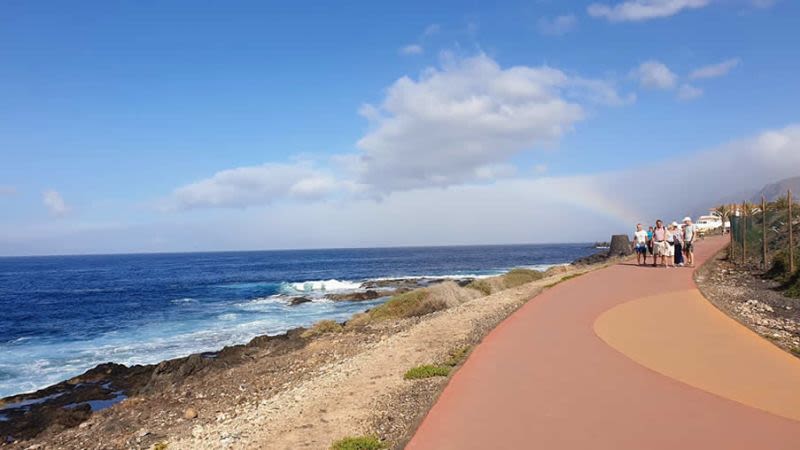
(655, 75)
(557, 26)
(254, 185)
(638, 10)
(55, 203)
(689, 92)
(715, 70)
(412, 49)
(432, 216)
(445, 127)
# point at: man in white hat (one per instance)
(689, 234)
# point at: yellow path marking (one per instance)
(681, 335)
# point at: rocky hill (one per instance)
(776, 190)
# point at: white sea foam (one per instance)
(324, 285)
(183, 300)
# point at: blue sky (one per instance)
(178, 125)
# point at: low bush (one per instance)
(457, 356)
(358, 443)
(426, 371)
(518, 277)
(792, 286)
(320, 328)
(481, 286)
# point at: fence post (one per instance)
(791, 237)
(764, 229)
(744, 233)
(731, 249)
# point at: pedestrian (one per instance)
(678, 240)
(650, 242)
(660, 244)
(670, 256)
(689, 235)
(640, 244)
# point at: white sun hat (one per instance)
(674, 224)
(687, 219)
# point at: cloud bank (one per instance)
(640, 10)
(458, 123)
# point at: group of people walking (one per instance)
(669, 246)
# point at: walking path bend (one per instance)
(621, 358)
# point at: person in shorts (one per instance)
(640, 244)
(689, 235)
(660, 244)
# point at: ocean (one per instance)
(62, 315)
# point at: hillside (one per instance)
(776, 190)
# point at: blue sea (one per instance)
(62, 315)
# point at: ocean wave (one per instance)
(183, 300)
(319, 286)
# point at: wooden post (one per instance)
(791, 237)
(744, 233)
(731, 247)
(764, 230)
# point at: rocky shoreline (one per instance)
(161, 402)
(71, 402)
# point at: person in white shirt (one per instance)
(689, 234)
(640, 244)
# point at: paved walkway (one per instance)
(622, 358)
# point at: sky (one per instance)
(163, 126)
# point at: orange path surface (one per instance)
(543, 379)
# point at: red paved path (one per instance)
(544, 380)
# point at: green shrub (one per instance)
(410, 304)
(518, 277)
(481, 286)
(457, 356)
(322, 327)
(358, 443)
(427, 371)
(792, 286)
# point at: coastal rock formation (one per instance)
(370, 294)
(298, 301)
(620, 246)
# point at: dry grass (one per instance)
(320, 328)
(482, 286)
(418, 302)
(518, 277)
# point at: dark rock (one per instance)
(298, 301)
(359, 296)
(620, 246)
(596, 258)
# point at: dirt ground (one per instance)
(754, 301)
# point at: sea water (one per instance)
(62, 315)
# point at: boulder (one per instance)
(298, 301)
(620, 246)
